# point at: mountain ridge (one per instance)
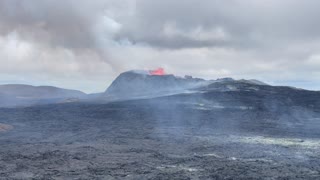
(12, 95)
(134, 84)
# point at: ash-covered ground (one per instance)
(213, 135)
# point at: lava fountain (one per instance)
(157, 72)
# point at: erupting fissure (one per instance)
(157, 72)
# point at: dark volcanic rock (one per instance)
(213, 135)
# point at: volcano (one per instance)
(138, 84)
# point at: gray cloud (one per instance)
(243, 23)
(85, 44)
(51, 22)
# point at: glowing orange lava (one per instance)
(157, 72)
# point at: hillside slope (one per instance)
(22, 95)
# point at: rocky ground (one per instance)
(153, 139)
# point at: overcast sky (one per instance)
(85, 44)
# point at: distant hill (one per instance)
(22, 95)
